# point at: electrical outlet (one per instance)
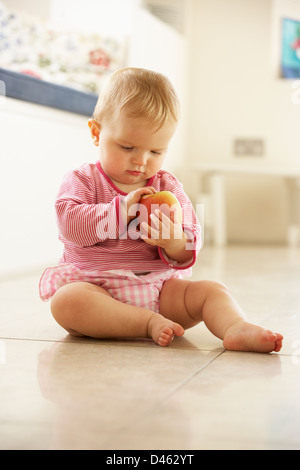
(248, 147)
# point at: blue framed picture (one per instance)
(290, 48)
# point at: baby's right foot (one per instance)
(162, 330)
(244, 336)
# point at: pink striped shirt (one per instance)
(90, 227)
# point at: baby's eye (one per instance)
(155, 152)
(126, 148)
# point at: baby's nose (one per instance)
(140, 158)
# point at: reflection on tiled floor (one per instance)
(61, 392)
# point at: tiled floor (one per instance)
(59, 392)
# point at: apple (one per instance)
(165, 201)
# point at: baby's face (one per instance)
(132, 150)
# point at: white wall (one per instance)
(41, 9)
(111, 18)
(107, 17)
(236, 92)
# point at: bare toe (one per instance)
(166, 336)
(163, 330)
(278, 342)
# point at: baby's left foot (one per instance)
(244, 336)
(162, 330)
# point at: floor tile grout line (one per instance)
(99, 341)
(191, 376)
(160, 403)
(11, 338)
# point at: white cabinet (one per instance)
(37, 146)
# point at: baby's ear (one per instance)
(95, 130)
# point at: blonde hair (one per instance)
(140, 93)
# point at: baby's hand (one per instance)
(166, 229)
(131, 201)
(167, 233)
